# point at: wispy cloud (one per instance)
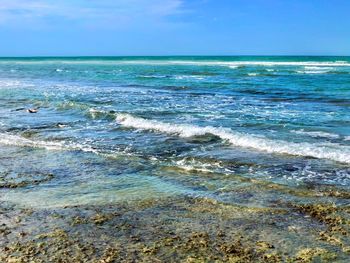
(20, 12)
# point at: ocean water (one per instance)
(130, 128)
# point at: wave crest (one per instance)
(331, 151)
(15, 140)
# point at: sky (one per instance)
(174, 27)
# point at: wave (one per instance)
(101, 114)
(194, 166)
(15, 140)
(312, 71)
(189, 77)
(177, 77)
(187, 62)
(317, 134)
(321, 70)
(331, 151)
(318, 68)
(154, 76)
(238, 63)
(6, 83)
(19, 141)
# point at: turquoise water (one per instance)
(111, 129)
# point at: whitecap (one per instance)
(311, 71)
(15, 140)
(185, 77)
(332, 152)
(187, 62)
(318, 68)
(13, 83)
(316, 134)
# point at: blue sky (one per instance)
(174, 27)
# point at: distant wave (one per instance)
(15, 140)
(321, 70)
(154, 76)
(253, 63)
(177, 77)
(332, 152)
(19, 141)
(189, 77)
(317, 134)
(231, 64)
(253, 74)
(5, 83)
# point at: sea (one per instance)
(111, 129)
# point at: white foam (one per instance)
(317, 134)
(193, 165)
(191, 77)
(331, 151)
(239, 63)
(312, 71)
(318, 68)
(15, 140)
(188, 62)
(5, 83)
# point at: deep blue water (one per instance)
(112, 129)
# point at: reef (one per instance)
(182, 229)
(17, 180)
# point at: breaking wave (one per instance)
(15, 140)
(316, 134)
(331, 151)
(231, 64)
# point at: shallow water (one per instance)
(175, 159)
(111, 129)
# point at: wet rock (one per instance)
(99, 219)
(312, 254)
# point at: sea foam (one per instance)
(331, 151)
(15, 140)
(316, 134)
(187, 62)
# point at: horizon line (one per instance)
(120, 56)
